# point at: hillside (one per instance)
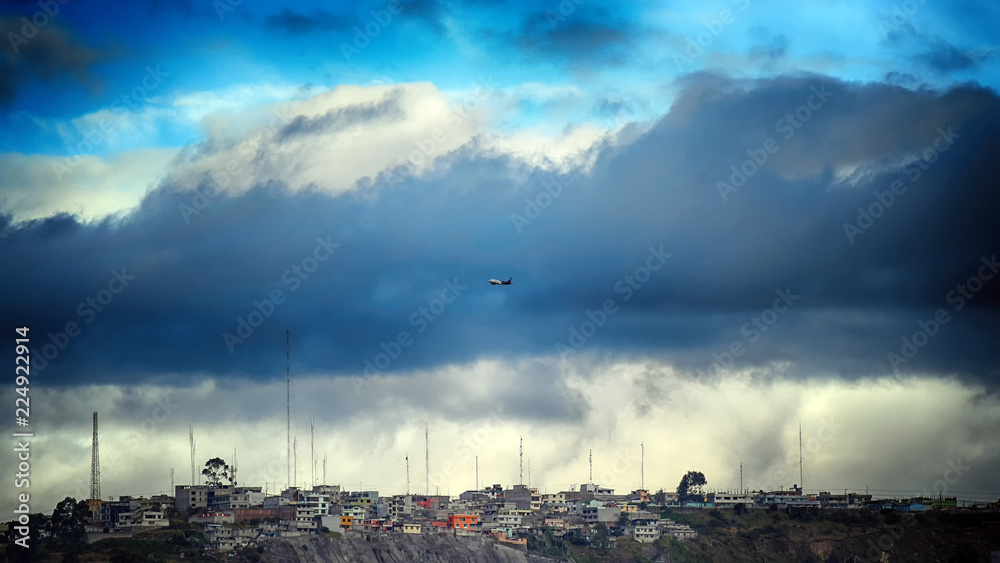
(825, 537)
(395, 548)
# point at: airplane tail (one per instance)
(510, 280)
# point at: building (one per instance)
(187, 497)
(594, 514)
(524, 498)
(149, 519)
(463, 521)
(318, 502)
(729, 499)
(645, 531)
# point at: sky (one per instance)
(722, 221)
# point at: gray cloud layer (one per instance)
(400, 243)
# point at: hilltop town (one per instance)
(219, 518)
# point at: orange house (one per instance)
(346, 522)
(463, 521)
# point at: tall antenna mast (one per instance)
(741, 477)
(801, 485)
(591, 456)
(95, 467)
(521, 454)
(295, 462)
(477, 473)
(288, 404)
(427, 460)
(312, 449)
(324, 469)
(642, 467)
(407, 474)
(191, 438)
(172, 479)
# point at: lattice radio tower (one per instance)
(95, 467)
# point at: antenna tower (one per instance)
(521, 454)
(427, 460)
(642, 467)
(95, 467)
(312, 449)
(191, 439)
(288, 405)
(801, 485)
(407, 474)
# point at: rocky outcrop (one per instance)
(394, 548)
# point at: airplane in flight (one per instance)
(498, 282)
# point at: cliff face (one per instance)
(394, 548)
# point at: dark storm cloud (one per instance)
(945, 58)
(49, 54)
(584, 33)
(934, 52)
(387, 108)
(402, 246)
(294, 23)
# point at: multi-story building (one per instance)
(593, 515)
(464, 522)
(645, 531)
(318, 502)
(305, 518)
(235, 497)
(360, 498)
(525, 498)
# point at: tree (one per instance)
(216, 469)
(660, 497)
(690, 486)
(623, 519)
(68, 526)
(600, 539)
